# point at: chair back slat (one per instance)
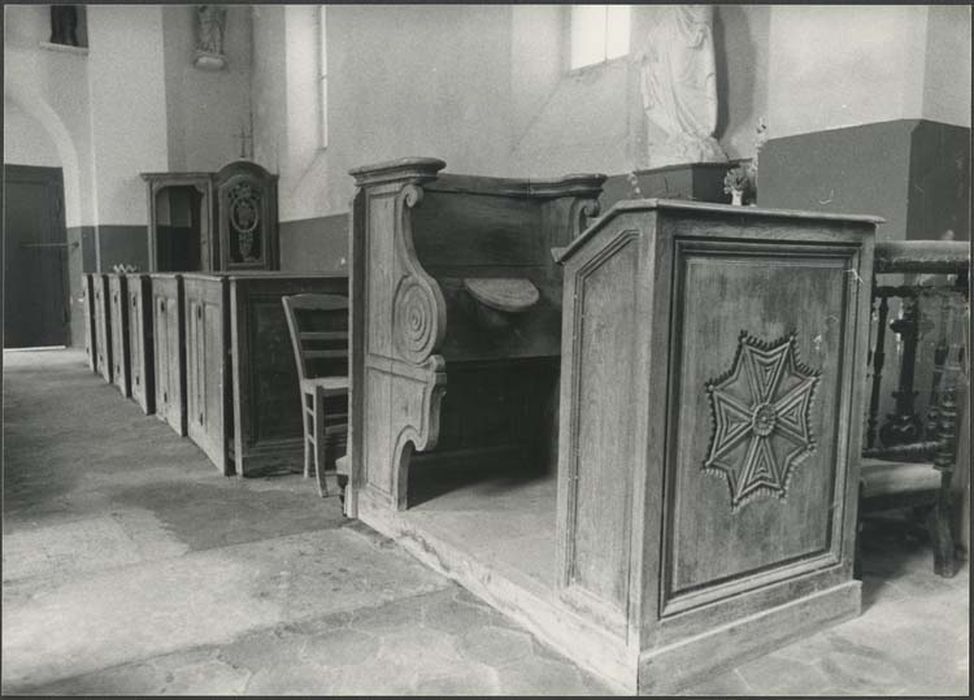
(318, 324)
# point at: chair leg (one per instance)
(320, 443)
(308, 431)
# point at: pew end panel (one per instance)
(709, 433)
(455, 318)
(119, 310)
(88, 309)
(169, 349)
(141, 344)
(208, 409)
(103, 326)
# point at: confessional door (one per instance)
(35, 269)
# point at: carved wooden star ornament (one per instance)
(762, 412)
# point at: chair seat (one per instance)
(308, 386)
(884, 478)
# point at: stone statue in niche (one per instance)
(64, 25)
(679, 86)
(210, 26)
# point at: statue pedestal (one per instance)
(209, 61)
(699, 182)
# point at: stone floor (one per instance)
(130, 566)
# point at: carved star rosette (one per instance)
(761, 410)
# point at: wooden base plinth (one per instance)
(535, 607)
(677, 667)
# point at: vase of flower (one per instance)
(736, 181)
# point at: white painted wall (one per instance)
(947, 73)
(205, 110)
(126, 80)
(483, 87)
(840, 66)
(50, 87)
(25, 142)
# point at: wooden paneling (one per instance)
(267, 415)
(709, 427)
(88, 311)
(598, 497)
(118, 305)
(103, 330)
(724, 292)
(207, 365)
(141, 345)
(169, 351)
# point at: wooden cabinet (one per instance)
(118, 307)
(455, 320)
(169, 349)
(242, 394)
(103, 332)
(141, 346)
(208, 222)
(88, 311)
(711, 394)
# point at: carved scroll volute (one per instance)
(419, 309)
(584, 212)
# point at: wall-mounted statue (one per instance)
(679, 86)
(210, 27)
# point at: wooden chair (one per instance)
(318, 324)
(908, 462)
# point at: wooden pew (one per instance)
(242, 395)
(169, 349)
(456, 312)
(103, 330)
(712, 388)
(141, 346)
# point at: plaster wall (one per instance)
(25, 142)
(126, 81)
(947, 69)
(403, 80)
(839, 66)
(483, 87)
(205, 110)
(50, 89)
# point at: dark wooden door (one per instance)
(35, 269)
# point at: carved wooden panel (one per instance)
(118, 303)
(265, 392)
(246, 197)
(207, 370)
(103, 330)
(766, 394)
(141, 345)
(739, 500)
(169, 354)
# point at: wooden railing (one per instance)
(937, 271)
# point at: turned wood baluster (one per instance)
(946, 453)
(939, 357)
(904, 425)
(879, 357)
